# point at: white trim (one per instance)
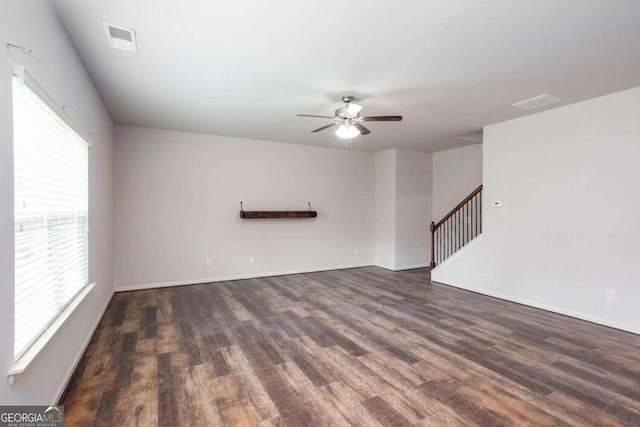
(29, 356)
(230, 278)
(73, 367)
(386, 267)
(534, 304)
(406, 267)
(411, 267)
(26, 79)
(466, 248)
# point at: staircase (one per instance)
(460, 226)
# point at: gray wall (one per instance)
(413, 208)
(178, 200)
(403, 188)
(456, 173)
(385, 209)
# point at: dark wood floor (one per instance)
(352, 347)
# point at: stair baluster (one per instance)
(457, 228)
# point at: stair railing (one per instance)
(457, 228)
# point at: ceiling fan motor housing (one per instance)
(350, 111)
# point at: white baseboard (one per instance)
(411, 267)
(386, 267)
(534, 304)
(236, 277)
(72, 370)
(406, 267)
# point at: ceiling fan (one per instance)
(349, 120)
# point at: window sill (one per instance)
(25, 360)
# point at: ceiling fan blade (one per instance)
(324, 127)
(363, 130)
(311, 115)
(382, 119)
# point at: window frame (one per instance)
(29, 352)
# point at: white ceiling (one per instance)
(244, 68)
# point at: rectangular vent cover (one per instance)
(121, 38)
(537, 102)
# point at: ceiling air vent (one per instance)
(121, 38)
(537, 102)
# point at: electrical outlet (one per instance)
(489, 272)
(609, 295)
(250, 260)
(357, 251)
(207, 262)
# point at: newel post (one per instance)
(432, 227)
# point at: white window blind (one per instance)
(51, 210)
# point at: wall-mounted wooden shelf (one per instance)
(277, 214)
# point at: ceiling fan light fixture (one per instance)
(349, 120)
(347, 132)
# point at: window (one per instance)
(51, 210)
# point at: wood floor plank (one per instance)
(167, 338)
(144, 383)
(254, 394)
(168, 404)
(363, 346)
(144, 415)
(374, 385)
(312, 395)
(230, 404)
(202, 410)
(384, 413)
(349, 404)
(432, 409)
(506, 406)
(79, 413)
